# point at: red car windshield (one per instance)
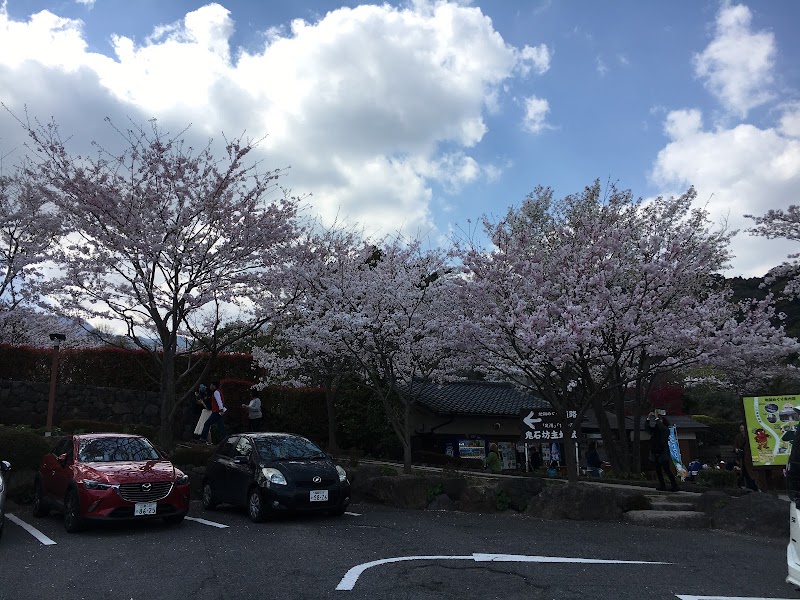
(116, 449)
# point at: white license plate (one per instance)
(319, 495)
(144, 508)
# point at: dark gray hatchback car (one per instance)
(272, 473)
(5, 467)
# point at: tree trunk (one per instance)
(406, 437)
(330, 396)
(606, 433)
(166, 437)
(622, 433)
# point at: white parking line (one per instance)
(350, 578)
(683, 597)
(204, 522)
(352, 514)
(31, 529)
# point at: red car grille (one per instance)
(145, 492)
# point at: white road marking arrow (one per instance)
(350, 578)
(529, 420)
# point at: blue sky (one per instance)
(422, 115)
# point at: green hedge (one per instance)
(720, 432)
(85, 426)
(196, 455)
(110, 367)
(23, 447)
(718, 478)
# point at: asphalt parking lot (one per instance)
(379, 552)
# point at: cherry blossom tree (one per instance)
(396, 318)
(782, 224)
(589, 300)
(29, 227)
(308, 349)
(189, 252)
(386, 309)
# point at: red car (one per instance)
(109, 476)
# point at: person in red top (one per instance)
(217, 413)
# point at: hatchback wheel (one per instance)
(209, 500)
(72, 512)
(39, 507)
(256, 509)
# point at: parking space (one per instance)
(377, 552)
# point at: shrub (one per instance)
(434, 492)
(197, 455)
(389, 471)
(720, 432)
(22, 447)
(502, 500)
(717, 478)
(86, 426)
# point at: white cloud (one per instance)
(601, 66)
(736, 171)
(737, 66)
(360, 103)
(535, 57)
(89, 3)
(536, 110)
(790, 120)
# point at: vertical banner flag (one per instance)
(675, 453)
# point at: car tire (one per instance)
(209, 498)
(173, 520)
(73, 522)
(39, 504)
(256, 508)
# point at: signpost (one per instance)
(540, 424)
(543, 425)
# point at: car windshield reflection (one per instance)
(111, 449)
(288, 449)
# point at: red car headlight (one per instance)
(182, 480)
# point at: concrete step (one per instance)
(673, 505)
(671, 519)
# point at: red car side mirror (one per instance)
(62, 458)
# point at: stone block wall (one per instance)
(25, 403)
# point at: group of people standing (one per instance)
(210, 403)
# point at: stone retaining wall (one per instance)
(25, 403)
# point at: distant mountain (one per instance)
(751, 288)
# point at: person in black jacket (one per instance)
(593, 463)
(659, 449)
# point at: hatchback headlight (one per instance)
(90, 484)
(273, 476)
(342, 473)
(182, 480)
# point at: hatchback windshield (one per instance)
(287, 448)
(113, 449)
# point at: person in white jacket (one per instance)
(254, 413)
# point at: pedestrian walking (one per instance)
(254, 414)
(493, 462)
(659, 449)
(744, 456)
(593, 463)
(202, 402)
(217, 411)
